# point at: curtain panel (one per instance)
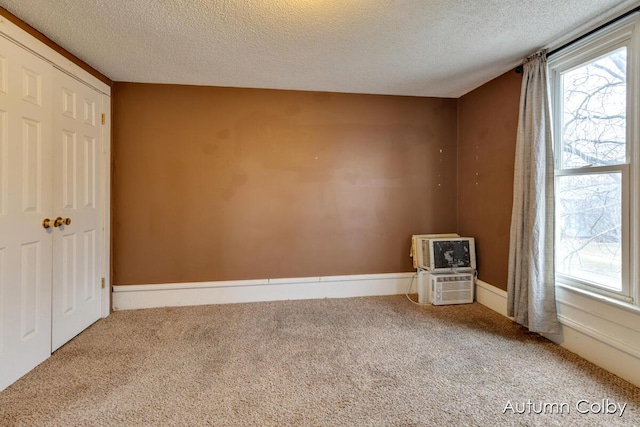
(531, 278)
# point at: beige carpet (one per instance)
(378, 361)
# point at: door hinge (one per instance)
(103, 118)
(102, 283)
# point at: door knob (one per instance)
(61, 221)
(46, 223)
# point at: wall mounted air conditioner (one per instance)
(454, 288)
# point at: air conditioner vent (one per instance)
(451, 289)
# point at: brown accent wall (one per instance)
(44, 39)
(487, 125)
(226, 183)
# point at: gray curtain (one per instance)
(531, 281)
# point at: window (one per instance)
(592, 106)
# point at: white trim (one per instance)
(603, 332)
(492, 297)
(127, 297)
(595, 299)
(584, 342)
(634, 157)
(106, 167)
(594, 333)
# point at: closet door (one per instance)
(77, 199)
(25, 201)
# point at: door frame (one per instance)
(17, 35)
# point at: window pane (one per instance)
(588, 228)
(594, 112)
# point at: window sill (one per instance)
(627, 306)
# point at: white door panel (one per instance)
(77, 247)
(25, 200)
(50, 166)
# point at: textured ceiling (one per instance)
(441, 48)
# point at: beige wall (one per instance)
(226, 183)
(487, 125)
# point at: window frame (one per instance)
(620, 34)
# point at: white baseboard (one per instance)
(492, 297)
(580, 340)
(127, 297)
(608, 340)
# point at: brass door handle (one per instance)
(61, 221)
(46, 223)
